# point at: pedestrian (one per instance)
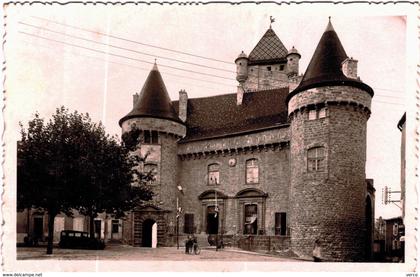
(188, 244)
(316, 253)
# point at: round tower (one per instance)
(293, 58)
(241, 67)
(328, 115)
(161, 128)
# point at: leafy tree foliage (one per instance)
(69, 163)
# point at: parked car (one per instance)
(79, 240)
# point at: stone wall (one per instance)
(329, 205)
(273, 161)
(267, 243)
(259, 78)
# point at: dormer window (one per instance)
(252, 171)
(213, 174)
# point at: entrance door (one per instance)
(147, 234)
(38, 227)
(212, 220)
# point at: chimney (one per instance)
(135, 98)
(183, 101)
(239, 95)
(349, 68)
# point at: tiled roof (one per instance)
(219, 116)
(154, 100)
(267, 49)
(325, 66)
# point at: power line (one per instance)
(145, 69)
(154, 46)
(384, 102)
(124, 48)
(122, 56)
(132, 41)
(127, 49)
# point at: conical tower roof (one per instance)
(154, 100)
(268, 50)
(324, 69)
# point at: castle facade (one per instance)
(279, 164)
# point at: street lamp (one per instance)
(178, 213)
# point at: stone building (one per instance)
(279, 164)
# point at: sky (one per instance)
(59, 55)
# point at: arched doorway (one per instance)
(368, 224)
(149, 234)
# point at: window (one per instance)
(250, 222)
(155, 137)
(147, 137)
(151, 137)
(316, 114)
(280, 224)
(281, 67)
(252, 171)
(115, 226)
(316, 159)
(213, 173)
(269, 68)
(322, 113)
(151, 169)
(189, 223)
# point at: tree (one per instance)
(71, 163)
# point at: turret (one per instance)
(328, 114)
(241, 67)
(293, 58)
(161, 128)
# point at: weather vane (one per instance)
(272, 20)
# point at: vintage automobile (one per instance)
(79, 240)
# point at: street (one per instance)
(125, 252)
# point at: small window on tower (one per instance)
(155, 137)
(147, 137)
(322, 113)
(151, 169)
(312, 114)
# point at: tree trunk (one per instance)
(91, 226)
(51, 217)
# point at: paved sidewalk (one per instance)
(124, 252)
